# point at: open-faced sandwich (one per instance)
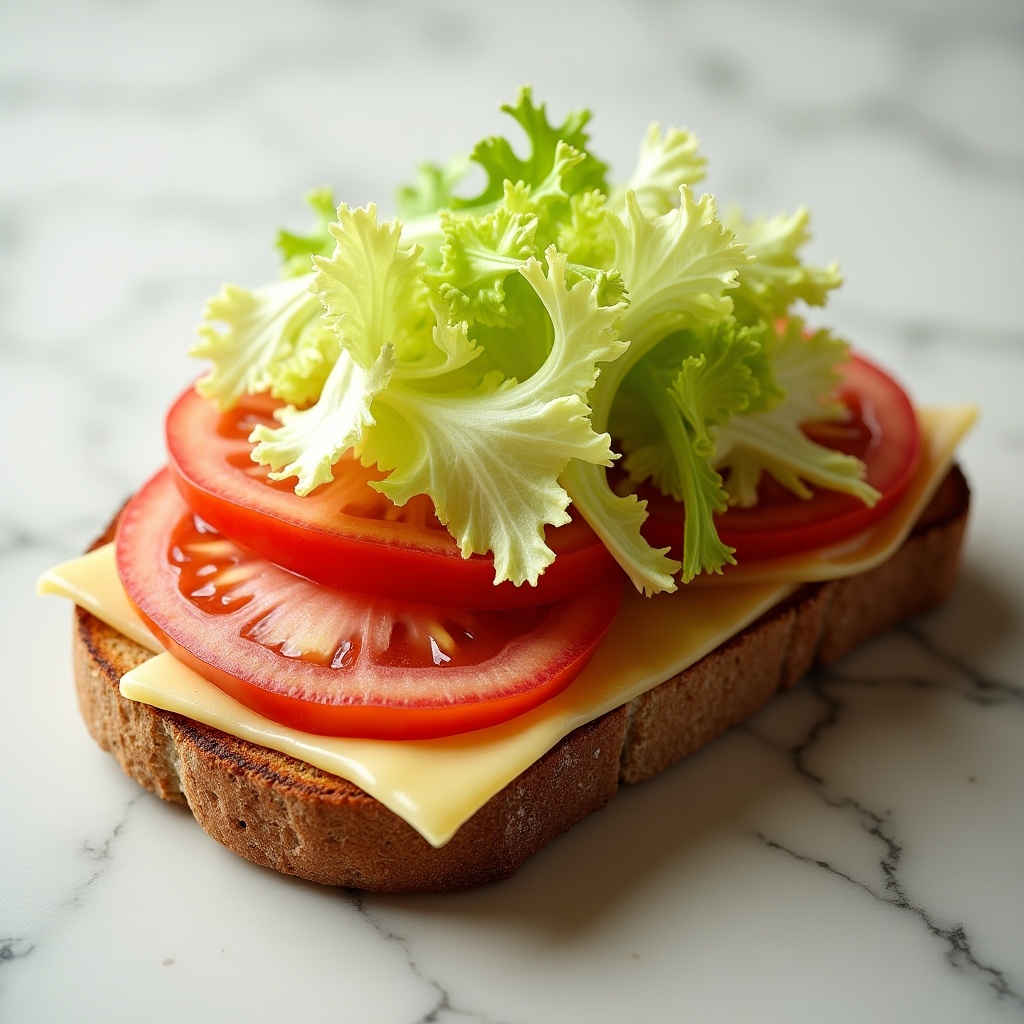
(480, 510)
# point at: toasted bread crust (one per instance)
(285, 814)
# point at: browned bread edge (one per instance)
(282, 813)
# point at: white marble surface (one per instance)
(857, 852)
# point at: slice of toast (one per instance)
(285, 814)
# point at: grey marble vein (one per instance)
(444, 1008)
(60, 913)
(831, 689)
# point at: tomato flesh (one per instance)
(881, 430)
(346, 534)
(335, 662)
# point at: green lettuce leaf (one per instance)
(550, 146)
(665, 163)
(299, 378)
(490, 457)
(310, 441)
(373, 299)
(372, 288)
(296, 249)
(478, 254)
(452, 350)
(678, 268)
(480, 349)
(247, 335)
(585, 234)
(694, 381)
(770, 439)
(691, 384)
(778, 278)
(433, 189)
(541, 185)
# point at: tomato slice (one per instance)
(882, 431)
(335, 662)
(345, 533)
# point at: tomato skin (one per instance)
(883, 433)
(396, 698)
(408, 556)
(369, 721)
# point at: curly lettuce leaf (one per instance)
(479, 277)
(550, 145)
(697, 378)
(675, 399)
(551, 190)
(678, 268)
(452, 350)
(664, 164)
(540, 188)
(433, 189)
(479, 253)
(375, 303)
(372, 288)
(778, 277)
(296, 249)
(310, 441)
(441, 348)
(514, 350)
(248, 334)
(299, 378)
(490, 457)
(770, 439)
(585, 234)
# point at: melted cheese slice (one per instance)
(436, 785)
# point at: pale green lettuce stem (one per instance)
(617, 520)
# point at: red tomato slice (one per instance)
(334, 662)
(345, 533)
(882, 431)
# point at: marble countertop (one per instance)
(856, 851)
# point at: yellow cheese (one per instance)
(91, 581)
(436, 785)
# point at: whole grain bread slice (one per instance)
(283, 813)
